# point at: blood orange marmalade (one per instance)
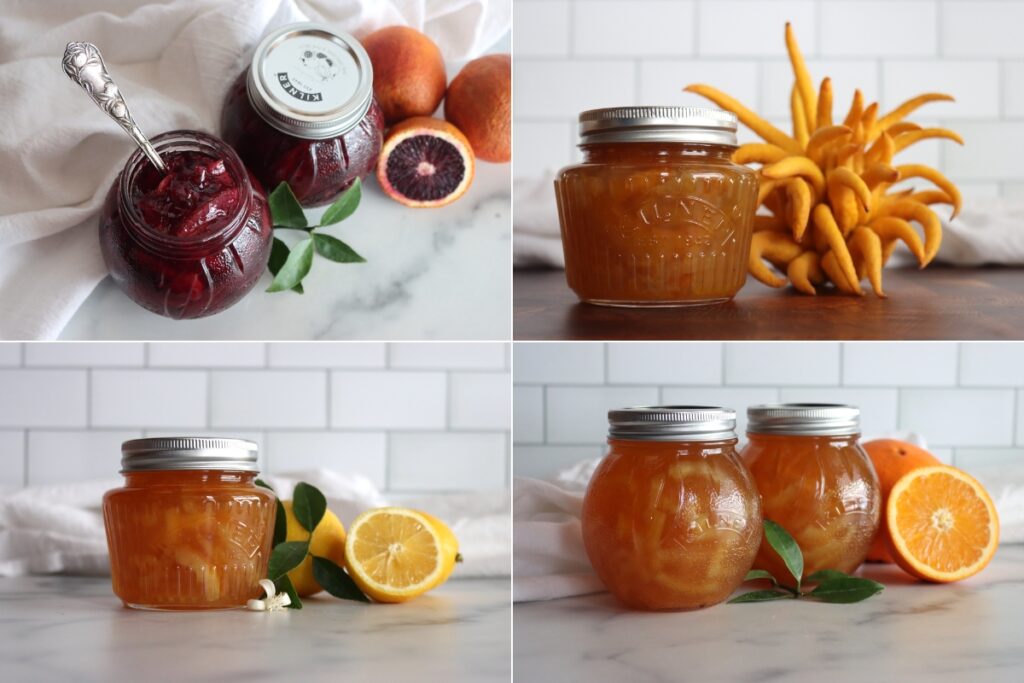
(188, 539)
(671, 524)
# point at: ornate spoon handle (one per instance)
(84, 65)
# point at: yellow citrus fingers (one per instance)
(754, 122)
(830, 264)
(826, 226)
(796, 108)
(844, 205)
(846, 177)
(869, 122)
(823, 137)
(803, 78)
(800, 202)
(769, 222)
(866, 244)
(930, 223)
(882, 151)
(856, 109)
(805, 271)
(791, 167)
(824, 115)
(776, 247)
(902, 127)
(904, 140)
(940, 181)
(931, 197)
(890, 229)
(878, 173)
(758, 153)
(766, 187)
(904, 110)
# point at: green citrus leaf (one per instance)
(260, 482)
(296, 267)
(344, 206)
(336, 581)
(334, 249)
(756, 574)
(280, 524)
(823, 575)
(285, 210)
(760, 596)
(309, 505)
(278, 255)
(787, 548)
(286, 557)
(284, 585)
(845, 590)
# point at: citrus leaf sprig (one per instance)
(309, 506)
(832, 585)
(290, 266)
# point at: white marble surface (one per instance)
(430, 274)
(969, 631)
(57, 628)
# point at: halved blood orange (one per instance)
(425, 162)
(942, 524)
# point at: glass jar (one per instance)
(303, 112)
(816, 481)
(671, 518)
(193, 241)
(657, 214)
(189, 529)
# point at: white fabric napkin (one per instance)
(983, 234)
(550, 561)
(173, 61)
(59, 528)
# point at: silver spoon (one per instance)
(84, 65)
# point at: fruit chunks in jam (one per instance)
(194, 197)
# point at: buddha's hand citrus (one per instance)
(395, 554)
(328, 540)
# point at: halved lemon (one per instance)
(942, 524)
(394, 554)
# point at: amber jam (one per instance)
(657, 214)
(816, 481)
(671, 519)
(303, 112)
(188, 538)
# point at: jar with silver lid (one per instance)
(816, 481)
(189, 529)
(657, 213)
(671, 518)
(303, 112)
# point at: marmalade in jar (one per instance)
(657, 214)
(189, 529)
(671, 518)
(816, 481)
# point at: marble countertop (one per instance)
(60, 628)
(968, 631)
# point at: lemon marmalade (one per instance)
(657, 214)
(189, 529)
(671, 519)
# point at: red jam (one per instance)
(192, 241)
(318, 171)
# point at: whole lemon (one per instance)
(328, 541)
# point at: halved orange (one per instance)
(942, 524)
(425, 162)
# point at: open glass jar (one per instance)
(671, 519)
(303, 112)
(189, 242)
(816, 481)
(189, 529)
(657, 214)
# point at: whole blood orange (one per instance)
(425, 162)
(479, 102)
(892, 459)
(409, 78)
(942, 524)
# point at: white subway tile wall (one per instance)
(572, 55)
(965, 399)
(412, 418)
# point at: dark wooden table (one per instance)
(936, 303)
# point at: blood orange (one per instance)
(425, 162)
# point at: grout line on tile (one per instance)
(24, 457)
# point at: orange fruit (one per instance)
(425, 162)
(409, 77)
(479, 102)
(942, 524)
(892, 459)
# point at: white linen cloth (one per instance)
(173, 61)
(982, 234)
(549, 560)
(59, 528)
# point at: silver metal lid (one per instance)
(658, 124)
(672, 423)
(310, 81)
(188, 453)
(809, 419)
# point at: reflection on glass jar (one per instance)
(303, 112)
(816, 481)
(671, 518)
(657, 214)
(189, 242)
(189, 529)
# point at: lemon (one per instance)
(328, 541)
(395, 554)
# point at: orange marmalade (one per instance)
(189, 529)
(816, 481)
(671, 518)
(657, 214)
